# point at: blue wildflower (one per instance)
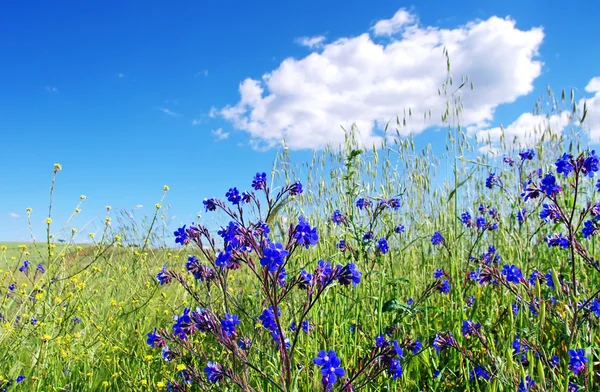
(481, 223)
(304, 234)
(214, 372)
(438, 273)
(155, 340)
(181, 236)
(479, 372)
(40, 268)
(469, 328)
(437, 238)
(223, 259)
(233, 195)
(296, 188)
(273, 256)
(549, 186)
(590, 164)
(259, 181)
(163, 276)
(25, 266)
(564, 165)
(595, 307)
(444, 287)
(589, 229)
(361, 203)
(209, 204)
(508, 160)
(306, 279)
(382, 245)
(381, 341)
(526, 384)
(557, 240)
(330, 367)
(267, 318)
(521, 215)
(577, 361)
(465, 217)
(395, 369)
(513, 273)
(337, 217)
(393, 203)
(554, 361)
(410, 301)
(20, 378)
(399, 229)
(491, 180)
(527, 154)
(228, 324)
(349, 274)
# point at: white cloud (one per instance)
(52, 89)
(594, 85)
(120, 75)
(14, 215)
(203, 72)
(139, 206)
(526, 130)
(400, 20)
(591, 123)
(311, 42)
(356, 80)
(219, 134)
(168, 112)
(196, 122)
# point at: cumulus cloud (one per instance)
(356, 80)
(220, 134)
(311, 42)
(592, 120)
(14, 215)
(525, 131)
(394, 25)
(138, 206)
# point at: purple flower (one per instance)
(469, 328)
(590, 164)
(589, 229)
(521, 215)
(324, 274)
(527, 154)
(228, 324)
(437, 238)
(296, 188)
(491, 180)
(395, 369)
(273, 256)
(564, 164)
(393, 203)
(479, 372)
(155, 340)
(214, 372)
(480, 222)
(163, 277)
(381, 341)
(304, 234)
(223, 259)
(306, 279)
(184, 325)
(382, 245)
(557, 240)
(399, 229)
(259, 181)
(337, 217)
(233, 195)
(443, 341)
(508, 160)
(438, 273)
(549, 213)
(465, 217)
(595, 307)
(20, 378)
(549, 186)
(267, 318)
(410, 301)
(444, 287)
(362, 203)
(40, 268)
(513, 273)
(577, 361)
(330, 367)
(526, 384)
(25, 267)
(209, 204)
(349, 274)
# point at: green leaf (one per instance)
(391, 305)
(451, 195)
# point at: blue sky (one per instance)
(129, 96)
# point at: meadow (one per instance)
(365, 269)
